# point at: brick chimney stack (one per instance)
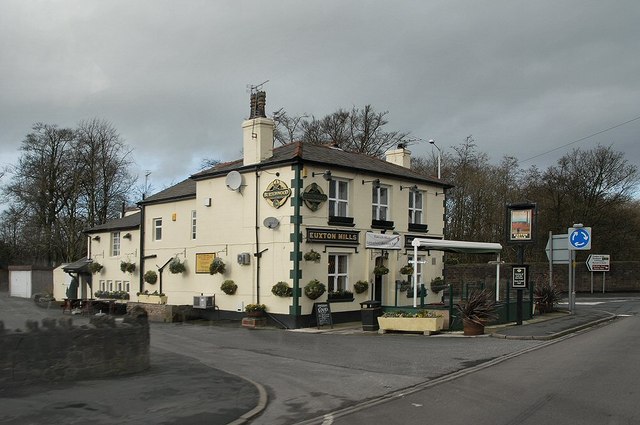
(257, 131)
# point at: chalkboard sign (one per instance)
(323, 314)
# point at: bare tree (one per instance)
(359, 130)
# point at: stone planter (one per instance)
(152, 299)
(426, 325)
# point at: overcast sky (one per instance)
(522, 77)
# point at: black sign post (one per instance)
(323, 314)
(521, 226)
(519, 282)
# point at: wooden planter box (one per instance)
(426, 325)
(152, 299)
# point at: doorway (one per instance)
(378, 281)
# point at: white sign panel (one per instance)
(599, 262)
(382, 241)
(557, 249)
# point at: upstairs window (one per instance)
(157, 229)
(415, 207)
(193, 224)
(338, 198)
(115, 244)
(380, 203)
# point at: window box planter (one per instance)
(422, 228)
(425, 325)
(152, 299)
(382, 224)
(340, 296)
(341, 221)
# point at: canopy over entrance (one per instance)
(453, 246)
(457, 246)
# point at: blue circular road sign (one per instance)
(580, 238)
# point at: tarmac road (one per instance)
(275, 376)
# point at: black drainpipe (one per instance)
(257, 254)
(160, 270)
(141, 254)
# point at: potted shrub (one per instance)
(341, 294)
(255, 310)
(127, 266)
(176, 266)
(476, 311)
(380, 270)
(545, 296)
(150, 277)
(95, 267)
(282, 289)
(229, 287)
(312, 256)
(217, 266)
(314, 289)
(361, 286)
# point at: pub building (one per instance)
(348, 214)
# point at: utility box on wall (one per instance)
(244, 259)
(204, 301)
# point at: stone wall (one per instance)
(60, 351)
(623, 277)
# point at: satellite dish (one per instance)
(233, 180)
(271, 222)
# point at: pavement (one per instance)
(181, 389)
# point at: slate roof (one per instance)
(186, 189)
(323, 155)
(131, 221)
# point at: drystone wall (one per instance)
(56, 350)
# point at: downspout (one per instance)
(257, 254)
(141, 254)
(161, 269)
(297, 255)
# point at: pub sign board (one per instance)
(350, 237)
(519, 278)
(323, 314)
(521, 223)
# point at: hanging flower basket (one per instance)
(312, 256)
(255, 310)
(282, 289)
(229, 287)
(361, 286)
(437, 284)
(176, 266)
(314, 289)
(95, 267)
(407, 270)
(150, 277)
(127, 266)
(380, 270)
(217, 266)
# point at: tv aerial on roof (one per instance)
(234, 181)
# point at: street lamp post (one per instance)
(433, 142)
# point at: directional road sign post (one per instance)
(579, 238)
(598, 263)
